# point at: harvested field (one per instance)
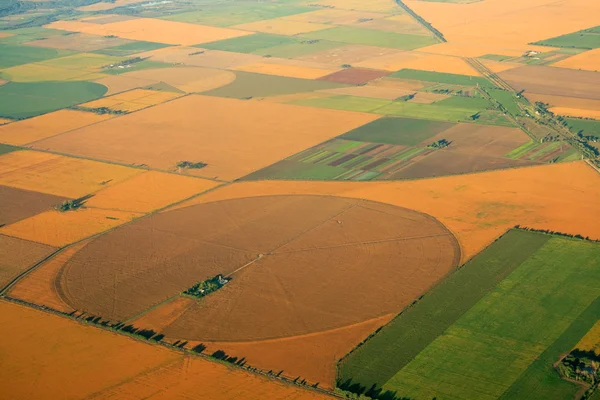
(347, 54)
(18, 255)
(48, 125)
(404, 23)
(58, 175)
(554, 81)
(371, 37)
(78, 42)
(102, 6)
(576, 112)
(203, 58)
(114, 366)
(18, 204)
(248, 85)
(158, 318)
(39, 286)
(146, 192)
(371, 91)
(421, 61)
(477, 208)
(333, 16)
(312, 357)
(186, 79)
(153, 30)
(361, 235)
(58, 229)
(447, 162)
(281, 27)
(355, 76)
(288, 68)
(183, 134)
(108, 18)
(588, 61)
(132, 100)
(123, 83)
(565, 102)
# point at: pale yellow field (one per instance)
(202, 57)
(589, 61)
(120, 83)
(289, 68)
(61, 228)
(350, 54)
(333, 16)
(372, 91)
(4, 121)
(58, 175)
(385, 6)
(497, 66)
(186, 79)
(132, 100)
(149, 191)
(576, 112)
(39, 72)
(102, 6)
(153, 30)
(421, 61)
(565, 102)
(499, 26)
(44, 126)
(282, 27)
(404, 24)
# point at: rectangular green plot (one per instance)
(250, 43)
(495, 341)
(347, 145)
(4, 148)
(24, 35)
(12, 55)
(548, 148)
(440, 77)
(287, 169)
(399, 131)
(471, 103)
(569, 155)
(348, 103)
(138, 66)
(131, 48)
(508, 100)
(587, 127)
(493, 117)
(522, 150)
(497, 57)
(367, 176)
(585, 39)
(382, 356)
(371, 37)
(298, 49)
(426, 111)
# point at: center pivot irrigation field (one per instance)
(299, 264)
(491, 330)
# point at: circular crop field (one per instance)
(299, 264)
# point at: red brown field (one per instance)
(355, 76)
(18, 255)
(260, 134)
(172, 255)
(18, 204)
(48, 125)
(103, 365)
(554, 81)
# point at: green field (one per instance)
(522, 150)
(25, 100)
(508, 100)
(298, 49)
(128, 49)
(24, 35)
(348, 103)
(471, 103)
(248, 85)
(587, 127)
(440, 77)
(138, 66)
(585, 39)
(427, 111)
(250, 43)
(535, 287)
(371, 37)
(4, 148)
(12, 55)
(494, 117)
(400, 131)
(234, 13)
(287, 169)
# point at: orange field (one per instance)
(576, 112)
(132, 100)
(4, 121)
(422, 61)
(58, 175)
(152, 30)
(589, 60)
(260, 134)
(289, 68)
(477, 208)
(160, 317)
(186, 79)
(40, 287)
(148, 191)
(106, 365)
(61, 228)
(44, 126)
(18, 255)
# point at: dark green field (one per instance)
(4, 148)
(377, 361)
(585, 39)
(401, 131)
(131, 48)
(25, 100)
(11, 55)
(440, 77)
(248, 85)
(529, 298)
(587, 127)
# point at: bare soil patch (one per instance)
(17, 204)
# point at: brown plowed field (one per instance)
(355, 76)
(374, 260)
(18, 255)
(554, 81)
(50, 350)
(18, 204)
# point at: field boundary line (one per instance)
(437, 34)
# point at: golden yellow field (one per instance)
(132, 100)
(333, 16)
(186, 79)
(4, 121)
(591, 340)
(121, 83)
(40, 72)
(153, 30)
(576, 112)
(282, 27)
(59, 175)
(588, 60)
(61, 228)
(293, 71)
(149, 191)
(44, 126)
